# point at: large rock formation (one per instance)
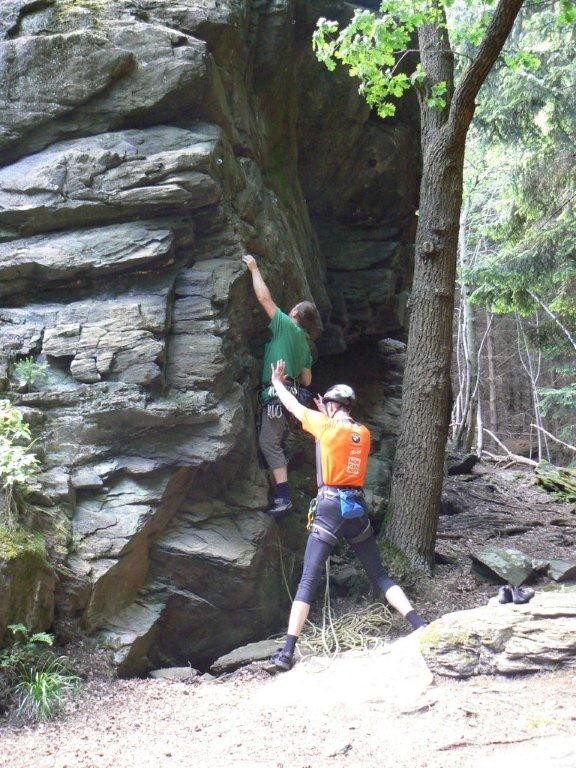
(145, 146)
(505, 639)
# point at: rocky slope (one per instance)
(145, 146)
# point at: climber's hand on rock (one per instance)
(250, 262)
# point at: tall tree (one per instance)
(522, 217)
(370, 46)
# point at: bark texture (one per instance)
(418, 472)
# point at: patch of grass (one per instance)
(33, 679)
(40, 693)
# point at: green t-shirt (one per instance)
(289, 343)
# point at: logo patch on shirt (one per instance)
(355, 437)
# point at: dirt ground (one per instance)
(379, 708)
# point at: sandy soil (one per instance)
(360, 710)
(381, 708)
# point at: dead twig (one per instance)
(509, 455)
(458, 744)
(556, 439)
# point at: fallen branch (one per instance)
(511, 458)
(556, 439)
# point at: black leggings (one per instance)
(318, 549)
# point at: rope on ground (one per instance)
(363, 629)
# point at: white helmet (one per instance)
(340, 393)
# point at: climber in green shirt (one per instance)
(291, 335)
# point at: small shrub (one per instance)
(29, 372)
(17, 463)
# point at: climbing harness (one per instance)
(363, 535)
(269, 400)
(319, 532)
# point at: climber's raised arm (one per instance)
(260, 288)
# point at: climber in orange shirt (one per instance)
(342, 449)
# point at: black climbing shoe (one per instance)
(505, 594)
(279, 508)
(522, 595)
(283, 661)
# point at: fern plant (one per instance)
(33, 679)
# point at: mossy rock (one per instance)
(27, 581)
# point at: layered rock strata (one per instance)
(145, 146)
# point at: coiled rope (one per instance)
(363, 629)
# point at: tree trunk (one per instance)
(492, 408)
(464, 432)
(424, 422)
(418, 467)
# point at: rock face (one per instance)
(145, 146)
(504, 639)
(26, 584)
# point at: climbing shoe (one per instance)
(522, 595)
(279, 508)
(505, 594)
(283, 661)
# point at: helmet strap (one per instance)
(338, 407)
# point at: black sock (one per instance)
(415, 621)
(290, 644)
(282, 490)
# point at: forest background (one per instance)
(505, 220)
(516, 316)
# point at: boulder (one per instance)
(247, 654)
(146, 147)
(562, 570)
(461, 465)
(174, 673)
(510, 566)
(504, 639)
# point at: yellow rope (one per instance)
(363, 629)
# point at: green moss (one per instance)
(67, 11)
(432, 636)
(401, 569)
(280, 184)
(17, 542)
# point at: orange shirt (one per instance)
(342, 449)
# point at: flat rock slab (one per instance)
(244, 655)
(392, 676)
(509, 565)
(504, 639)
(174, 673)
(561, 570)
(554, 752)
